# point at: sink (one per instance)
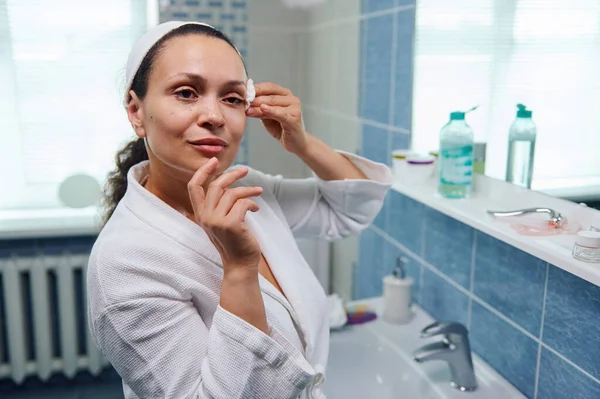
(373, 360)
(362, 366)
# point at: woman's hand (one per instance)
(220, 211)
(281, 115)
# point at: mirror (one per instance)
(497, 54)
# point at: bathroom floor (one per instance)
(106, 386)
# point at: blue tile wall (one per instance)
(504, 308)
(405, 26)
(510, 280)
(375, 143)
(571, 324)
(442, 300)
(382, 218)
(406, 218)
(378, 142)
(379, 136)
(505, 348)
(399, 141)
(367, 278)
(558, 379)
(376, 53)
(230, 17)
(369, 6)
(448, 246)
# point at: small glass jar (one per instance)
(587, 246)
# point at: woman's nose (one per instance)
(210, 114)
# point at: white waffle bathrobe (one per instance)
(154, 281)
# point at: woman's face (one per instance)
(194, 108)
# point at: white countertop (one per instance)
(492, 194)
(373, 360)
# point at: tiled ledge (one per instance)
(492, 194)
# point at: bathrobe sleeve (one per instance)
(315, 208)
(159, 344)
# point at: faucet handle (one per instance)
(443, 328)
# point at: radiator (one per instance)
(43, 323)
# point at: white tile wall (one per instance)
(346, 8)
(265, 14)
(347, 36)
(322, 13)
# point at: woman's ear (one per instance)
(135, 113)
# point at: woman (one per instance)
(196, 286)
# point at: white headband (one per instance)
(149, 39)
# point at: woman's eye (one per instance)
(186, 94)
(234, 100)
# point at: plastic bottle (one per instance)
(521, 148)
(455, 158)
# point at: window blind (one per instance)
(498, 53)
(62, 66)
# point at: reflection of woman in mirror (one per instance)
(197, 288)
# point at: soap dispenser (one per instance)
(397, 294)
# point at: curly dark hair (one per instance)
(135, 151)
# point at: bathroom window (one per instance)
(62, 66)
(497, 53)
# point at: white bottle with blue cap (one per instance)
(455, 159)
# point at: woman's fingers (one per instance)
(232, 195)
(239, 210)
(269, 88)
(254, 112)
(216, 189)
(280, 114)
(195, 185)
(275, 100)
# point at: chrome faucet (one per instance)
(454, 349)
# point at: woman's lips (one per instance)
(210, 146)
(211, 149)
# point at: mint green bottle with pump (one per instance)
(455, 158)
(521, 148)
